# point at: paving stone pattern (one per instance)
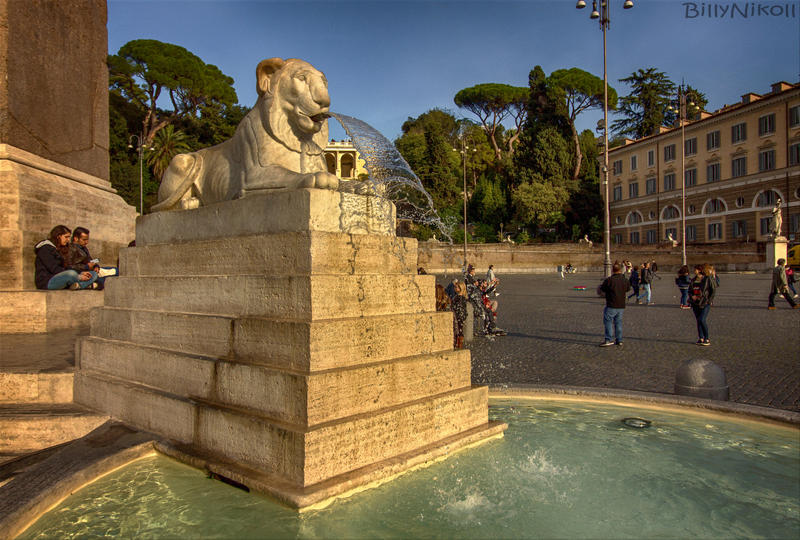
(554, 332)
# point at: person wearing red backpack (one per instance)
(701, 296)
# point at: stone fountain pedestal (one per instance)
(285, 342)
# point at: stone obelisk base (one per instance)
(285, 342)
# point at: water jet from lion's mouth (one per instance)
(320, 117)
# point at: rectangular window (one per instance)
(713, 172)
(633, 190)
(634, 163)
(739, 133)
(617, 193)
(651, 158)
(617, 238)
(794, 223)
(635, 237)
(766, 160)
(691, 233)
(671, 231)
(690, 175)
(794, 154)
(712, 140)
(794, 116)
(739, 167)
(617, 167)
(669, 152)
(765, 223)
(739, 229)
(715, 231)
(651, 236)
(690, 146)
(669, 182)
(651, 185)
(766, 124)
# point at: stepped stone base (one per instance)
(37, 194)
(33, 312)
(282, 345)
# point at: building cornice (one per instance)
(694, 128)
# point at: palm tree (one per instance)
(167, 143)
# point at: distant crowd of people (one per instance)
(697, 293)
(63, 261)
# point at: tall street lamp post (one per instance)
(140, 148)
(463, 152)
(682, 110)
(604, 17)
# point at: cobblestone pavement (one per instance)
(554, 332)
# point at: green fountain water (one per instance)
(565, 470)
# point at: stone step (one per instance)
(42, 387)
(35, 311)
(293, 298)
(28, 427)
(317, 397)
(305, 457)
(298, 345)
(295, 453)
(276, 255)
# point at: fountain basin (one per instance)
(567, 467)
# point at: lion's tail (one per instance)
(189, 174)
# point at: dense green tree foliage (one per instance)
(149, 73)
(582, 91)
(492, 103)
(145, 76)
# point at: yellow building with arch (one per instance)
(343, 160)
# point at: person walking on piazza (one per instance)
(646, 282)
(634, 279)
(614, 288)
(683, 282)
(653, 267)
(791, 279)
(702, 290)
(780, 286)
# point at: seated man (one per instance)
(81, 260)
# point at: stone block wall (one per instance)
(542, 258)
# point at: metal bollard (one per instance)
(703, 379)
(469, 323)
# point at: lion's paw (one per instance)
(326, 180)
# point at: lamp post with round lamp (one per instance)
(604, 18)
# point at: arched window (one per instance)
(634, 217)
(715, 206)
(348, 166)
(330, 162)
(767, 198)
(670, 212)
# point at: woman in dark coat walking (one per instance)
(701, 291)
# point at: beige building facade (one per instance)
(738, 161)
(343, 160)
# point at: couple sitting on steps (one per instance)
(65, 264)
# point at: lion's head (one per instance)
(293, 101)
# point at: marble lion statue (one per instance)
(278, 145)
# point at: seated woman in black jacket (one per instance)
(52, 265)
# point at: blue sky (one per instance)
(387, 60)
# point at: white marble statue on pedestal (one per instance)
(777, 220)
